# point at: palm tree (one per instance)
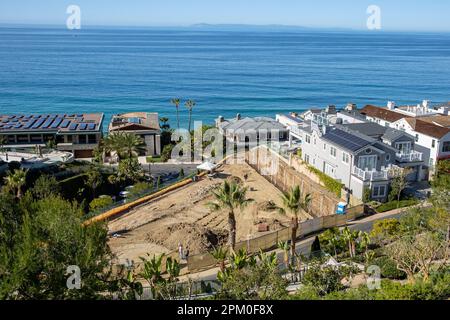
(126, 145)
(350, 237)
(16, 180)
(284, 245)
(220, 255)
(176, 102)
(334, 242)
(230, 196)
(152, 272)
(94, 179)
(293, 202)
(190, 104)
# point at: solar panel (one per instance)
(65, 123)
(345, 139)
(83, 126)
(29, 124)
(73, 126)
(38, 123)
(91, 126)
(57, 122)
(17, 126)
(47, 123)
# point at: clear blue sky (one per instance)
(413, 15)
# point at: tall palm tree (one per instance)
(126, 145)
(293, 203)
(94, 179)
(230, 196)
(190, 104)
(176, 102)
(16, 180)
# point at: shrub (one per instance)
(140, 188)
(394, 205)
(389, 268)
(329, 183)
(385, 228)
(151, 159)
(99, 203)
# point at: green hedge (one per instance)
(388, 206)
(330, 184)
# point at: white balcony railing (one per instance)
(413, 156)
(296, 131)
(371, 175)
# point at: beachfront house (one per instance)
(432, 139)
(78, 134)
(142, 124)
(249, 131)
(356, 160)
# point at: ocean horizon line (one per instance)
(223, 27)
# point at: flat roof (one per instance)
(54, 123)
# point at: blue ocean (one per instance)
(252, 72)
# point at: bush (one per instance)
(329, 183)
(140, 188)
(385, 228)
(99, 203)
(394, 205)
(389, 268)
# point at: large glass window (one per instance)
(403, 147)
(367, 162)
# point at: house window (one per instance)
(403, 147)
(345, 157)
(307, 158)
(324, 146)
(82, 139)
(446, 146)
(308, 138)
(379, 191)
(388, 157)
(417, 138)
(367, 162)
(333, 152)
(368, 150)
(433, 143)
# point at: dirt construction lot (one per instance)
(183, 216)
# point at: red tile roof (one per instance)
(427, 128)
(381, 113)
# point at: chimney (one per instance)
(391, 105)
(425, 103)
(238, 116)
(330, 109)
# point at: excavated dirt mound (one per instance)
(267, 206)
(199, 239)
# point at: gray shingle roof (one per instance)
(257, 123)
(392, 134)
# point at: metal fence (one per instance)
(270, 240)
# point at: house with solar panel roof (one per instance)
(78, 134)
(355, 159)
